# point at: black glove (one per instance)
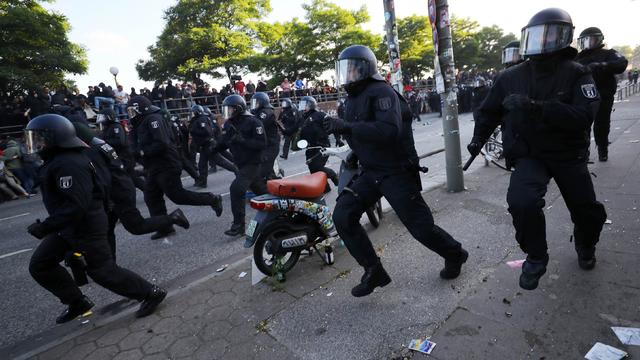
(475, 146)
(352, 160)
(335, 126)
(518, 102)
(37, 230)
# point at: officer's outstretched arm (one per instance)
(616, 63)
(578, 114)
(490, 113)
(75, 186)
(387, 122)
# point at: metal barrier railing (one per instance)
(627, 90)
(12, 130)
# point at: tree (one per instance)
(308, 48)
(34, 47)
(491, 40)
(215, 37)
(416, 46)
(466, 47)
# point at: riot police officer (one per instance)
(373, 128)
(181, 134)
(162, 164)
(312, 130)
(480, 91)
(546, 106)
(74, 194)
(201, 138)
(244, 135)
(121, 192)
(262, 109)
(604, 65)
(511, 54)
(224, 159)
(289, 119)
(112, 132)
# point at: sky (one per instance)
(119, 34)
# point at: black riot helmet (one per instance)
(139, 105)
(511, 54)
(308, 103)
(590, 38)
(232, 106)
(286, 103)
(548, 31)
(197, 110)
(259, 101)
(49, 131)
(355, 64)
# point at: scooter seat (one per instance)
(301, 187)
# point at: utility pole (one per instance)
(391, 38)
(445, 76)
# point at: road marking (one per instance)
(14, 216)
(14, 253)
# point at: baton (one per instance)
(468, 163)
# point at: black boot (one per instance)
(178, 218)
(603, 153)
(532, 271)
(75, 309)
(163, 233)
(586, 257)
(216, 204)
(373, 277)
(201, 183)
(149, 305)
(452, 268)
(236, 230)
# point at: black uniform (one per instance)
(244, 135)
(289, 119)
(122, 195)
(181, 134)
(479, 93)
(270, 153)
(201, 137)
(311, 130)
(74, 197)
(378, 139)
(223, 158)
(163, 166)
(546, 139)
(114, 135)
(610, 63)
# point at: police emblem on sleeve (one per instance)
(589, 91)
(263, 116)
(384, 103)
(66, 182)
(154, 124)
(260, 130)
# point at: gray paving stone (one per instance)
(215, 330)
(158, 343)
(134, 354)
(57, 352)
(112, 337)
(104, 353)
(166, 325)
(135, 340)
(222, 299)
(212, 350)
(184, 346)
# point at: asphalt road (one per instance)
(26, 309)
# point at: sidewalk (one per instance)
(481, 315)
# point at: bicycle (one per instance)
(493, 151)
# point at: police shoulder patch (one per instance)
(589, 91)
(154, 124)
(260, 130)
(384, 103)
(66, 182)
(116, 131)
(263, 116)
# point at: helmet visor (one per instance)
(34, 141)
(228, 112)
(589, 42)
(303, 105)
(284, 104)
(510, 55)
(132, 111)
(351, 70)
(545, 38)
(254, 104)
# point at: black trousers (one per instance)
(269, 156)
(248, 177)
(168, 182)
(527, 188)
(221, 159)
(188, 164)
(286, 146)
(406, 200)
(45, 265)
(602, 122)
(130, 168)
(316, 162)
(134, 223)
(203, 162)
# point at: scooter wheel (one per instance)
(268, 262)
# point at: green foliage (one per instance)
(34, 47)
(215, 37)
(416, 46)
(491, 40)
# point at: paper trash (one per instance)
(600, 351)
(242, 274)
(627, 336)
(515, 264)
(422, 345)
